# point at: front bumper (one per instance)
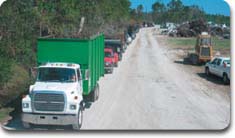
(52, 119)
(108, 66)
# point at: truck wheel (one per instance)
(111, 71)
(225, 78)
(93, 95)
(194, 59)
(207, 71)
(80, 119)
(97, 92)
(26, 125)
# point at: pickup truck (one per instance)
(219, 66)
(68, 75)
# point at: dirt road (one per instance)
(150, 91)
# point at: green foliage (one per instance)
(58, 18)
(18, 28)
(5, 71)
(176, 12)
(219, 19)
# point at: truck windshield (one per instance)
(205, 41)
(108, 54)
(56, 75)
(227, 62)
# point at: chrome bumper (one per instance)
(43, 119)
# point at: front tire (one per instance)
(26, 125)
(225, 79)
(78, 125)
(207, 71)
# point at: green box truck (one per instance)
(68, 74)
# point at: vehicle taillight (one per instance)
(224, 65)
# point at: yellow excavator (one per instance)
(203, 50)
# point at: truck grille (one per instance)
(205, 51)
(49, 102)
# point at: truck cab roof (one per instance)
(60, 65)
(113, 42)
(223, 58)
(108, 50)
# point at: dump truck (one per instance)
(120, 38)
(203, 49)
(67, 76)
(116, 46)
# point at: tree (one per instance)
(140, 9)
(175, 8)
(158, 12)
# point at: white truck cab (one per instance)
(56, 97)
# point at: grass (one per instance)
(4, 113)
(189, 43)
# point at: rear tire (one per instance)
(116, 64)
(97, 92)
(93, 95)
(111, 71)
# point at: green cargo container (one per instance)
(89, 54)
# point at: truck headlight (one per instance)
(73, 107)
(25, 105)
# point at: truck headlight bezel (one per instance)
(25, 105)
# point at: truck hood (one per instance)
(107, 59)
(54, 86)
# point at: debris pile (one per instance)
(192, 29)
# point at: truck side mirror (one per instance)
(33, 73)
(79, 78)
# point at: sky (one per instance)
(209, 6)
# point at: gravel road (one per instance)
(149, 91)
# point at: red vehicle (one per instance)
(115, 55)
(108, 60)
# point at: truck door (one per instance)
(213, 66)
(218, 68)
